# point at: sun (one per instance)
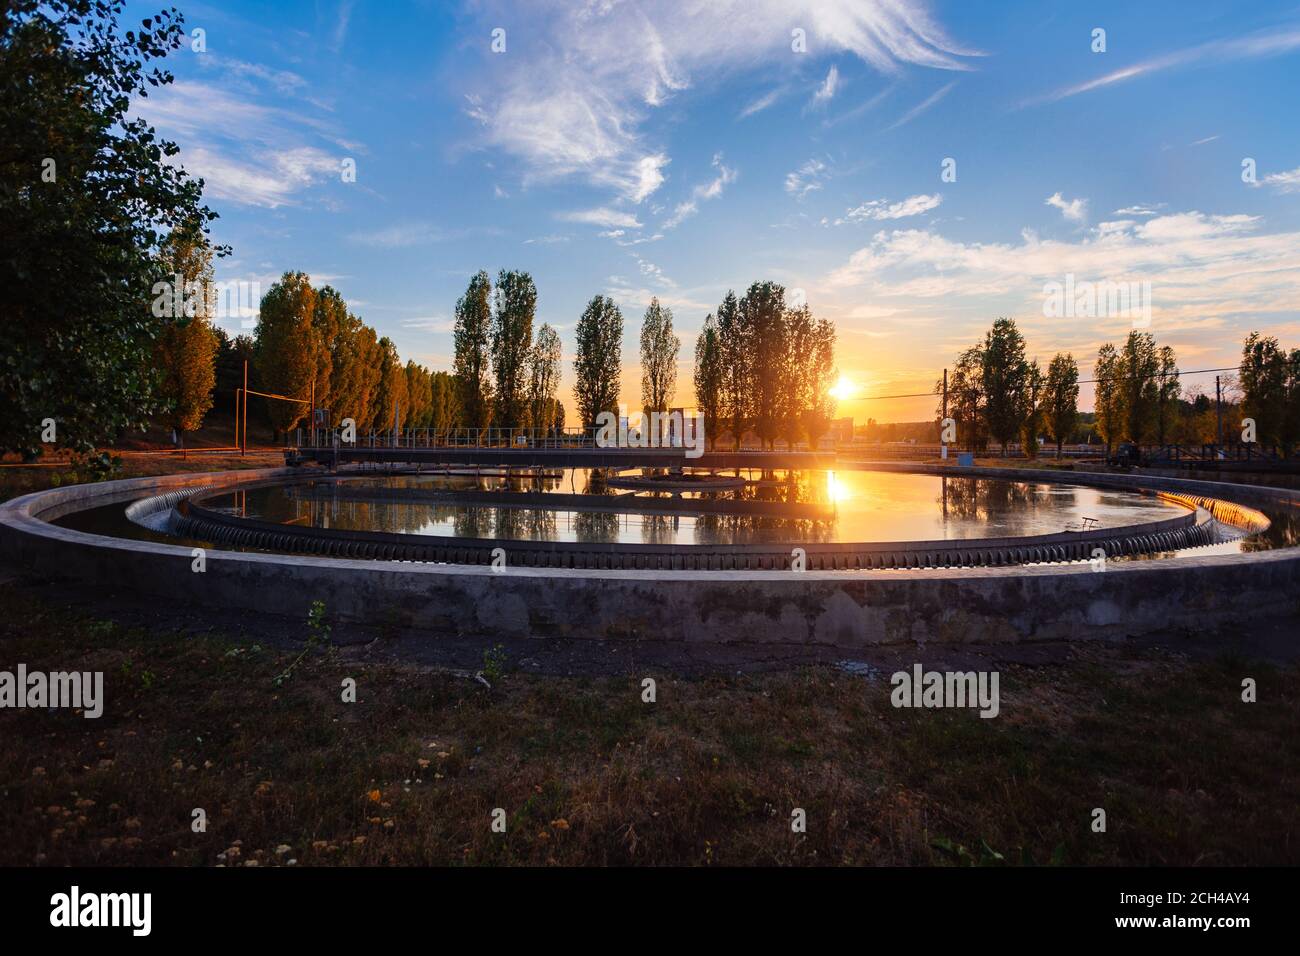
(842, 390)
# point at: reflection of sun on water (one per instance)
(837, 491)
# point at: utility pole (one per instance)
(944, 444)
(1218, 414)
(312, 414)
(243, 449)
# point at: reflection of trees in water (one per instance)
(593, 527)
(988, 499)
(595, 482)
(540, 525)
(1284, 532)
(508, 522)
(659, 529)
(472, 522)
(792, 487)
(758, 529)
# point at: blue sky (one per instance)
(679, 149)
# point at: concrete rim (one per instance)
(25, 516)
(770, 608)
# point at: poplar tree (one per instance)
(472, 363)
(734, 349)
(659, 349)
(288, 346)
(1006, 378)
(1060, 400)
(598, 352)
(708, 375)
(762, 316)
(187, 349)
(512, 337)
(543, 378)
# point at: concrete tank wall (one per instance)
(846, 609)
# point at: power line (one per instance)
(1085, 381)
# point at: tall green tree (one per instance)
(419, 395)
(544, 378)
(392, 404)
(1290, 437)
(446, 392)
(187, 348)
(659, 349)
(794, 394)
(1061, 398)
(966, 399)
(1263, 382)
(87, 195)
(512, 337)
(762, 313)
(354, 373)
(1168, 388)
(288, 348)
(708, 376)
(1109, 391)
(329, 318)
(1139, 367)
(735, 350)
(597, 359)
(1006, 380)
(472, 364)
(819, 377)
(1031, 410)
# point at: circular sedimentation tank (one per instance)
(782, 559)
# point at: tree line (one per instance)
(996, 394)
(766, 366)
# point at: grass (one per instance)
(587, 773)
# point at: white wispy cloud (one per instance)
(258, 154)
(1201, 267)
(400, 235)
(762, 103)
(702, 193)
(602, 216)
(418, 233)
(341, 22)
(1287, 182)
(1252, 46)
(921, 107)
(881, 209)
(827, 89)
(807, 178)
(575, 100)
(1141, 209)
(1075, 210)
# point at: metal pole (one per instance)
(243, 449)
(941, 426)
(311, 414)
(1218, 412)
